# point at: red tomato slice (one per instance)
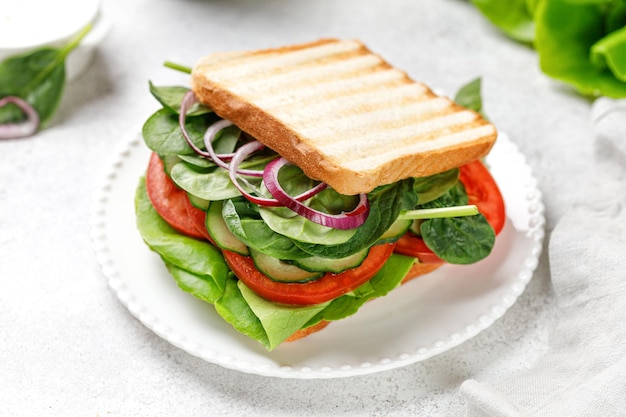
(198, 218)
(170, 201)
(482, 191)
(328, 287)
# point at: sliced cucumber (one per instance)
(216, 226)
(168, 162)
(415, 227)
(315, 263)
(395, 232)
(278, 270)
(198, 202)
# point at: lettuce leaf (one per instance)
(513, 17)
(199, 269)
(579, 42)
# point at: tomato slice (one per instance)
(328, 287)
(198, 218)
(170, 201)
(482, 191)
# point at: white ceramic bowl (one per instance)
(29, 24)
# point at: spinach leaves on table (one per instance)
(38, 77)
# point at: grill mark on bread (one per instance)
(307, 76)
(265, 62)
(406, 120)
(359, 102)
(366, 81)
(393, 133)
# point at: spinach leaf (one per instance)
(162, 134)
(38, 77)
(469, 96)
(434, 186)
(386, 202)
(245, 223)
(170, 98)
(457, 240)
(287, 223)
(211, 185)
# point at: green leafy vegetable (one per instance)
(566, 46)
(469, 96)
(434, 186)
(162, 134)
(457, 240)
(200, 270)
(386, 203)
(211, 185)
(582, 42)
(171, 97)
(246, 224)
(38, 77)
(513, 17)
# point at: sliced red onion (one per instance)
(244, 152)
(344, 221)
(221, 159)
(22, 129)
(232, 161)
(189, 99)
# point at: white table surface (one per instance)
(70, 348)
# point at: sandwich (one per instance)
(289, 186)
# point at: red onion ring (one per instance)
(231, 162)
(244, 152)
(23, 129)
(189, 99)
(220, 160)
(344, 221)
(240, 155)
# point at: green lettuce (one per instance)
(199, 269)
(580, 42)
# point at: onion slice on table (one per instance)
(22, 129)
(344, 221)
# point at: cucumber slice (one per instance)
(415, 227)
(198, 202)
(278, 270)
(168, 162)
(216, 226)
(315, 263)
(395, 232)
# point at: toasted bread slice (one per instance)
(341, 113)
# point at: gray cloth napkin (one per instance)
(583, 373)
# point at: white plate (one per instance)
(425, 317)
